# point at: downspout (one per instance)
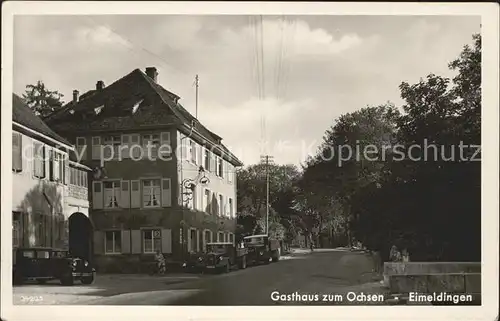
(181, 193)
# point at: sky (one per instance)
(299, 77)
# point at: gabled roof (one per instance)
(158, 107)
(25, 116)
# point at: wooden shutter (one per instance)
(135, 194)
(198, 240)
(125, 148)
(67, 171)
(136, 241)
(125, 194)
(166, 241)
(166, 192)
(44, 162)
(81, 148)
(52, 163)
(98, 242)
(125, 241)
(17, 152)
(213, 164)
(135, 146)
(96, 147)
(165, 145)
(230, 169)
(97, 195)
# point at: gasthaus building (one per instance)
(160, 181)
(50, 206)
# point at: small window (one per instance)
(151, 240)
(113, 242)
(151, 193)
(111, 194)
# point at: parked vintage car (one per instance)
(262, 249)
(42, 264)
(222, 257)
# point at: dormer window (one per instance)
(136, 106)
(98, 110)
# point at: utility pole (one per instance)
(267, 160)
(196, 81)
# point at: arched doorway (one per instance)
(80, 236)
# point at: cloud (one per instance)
(98, 36)
(315, 67)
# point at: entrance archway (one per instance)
(80, 236)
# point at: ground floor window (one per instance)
(151, 240)
(192, 240)
(231, 238)
(220, 237)
(113, 242)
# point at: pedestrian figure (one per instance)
(160, 262)
(311, 245)
(395, 255)
(405, 256)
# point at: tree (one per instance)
(42, 100)
(252, 198)
(341, 167)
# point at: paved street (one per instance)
(326, 272)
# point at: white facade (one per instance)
(42, 196)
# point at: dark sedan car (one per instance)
(43, 264)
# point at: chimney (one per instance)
(99, 85)
(152, 73)
(75, 96)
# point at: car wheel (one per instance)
(88, 280)
(67, 279)
(17, 279)
(41, 281)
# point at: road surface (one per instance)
(303, 279)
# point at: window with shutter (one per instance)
(17, 152)
(39, 160)
(81, 148)
(151, 241)
(206, 203)
(206, 157)
(231, 210)
(165, 150)
(125, 147)
(111, 193)
(151, 194)
(150, 145)
(96, 148)
(113, 242)
(97, 195)
(221, 205)
(135, 149)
